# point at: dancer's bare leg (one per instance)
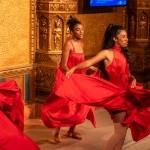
(116, 141)
(57, 135)
(73, 134)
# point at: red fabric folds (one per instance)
(11, 103)
(58, 111)
(114, 95)
(12, 119)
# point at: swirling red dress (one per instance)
(58, 111)
(113, 95)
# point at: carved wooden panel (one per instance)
(139, 37)
(142, 25)
(52, 31)
(43, 32)
(48, 59)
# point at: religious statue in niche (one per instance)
(43, 33)
(132, 27)
(143, 27)
(57, 34)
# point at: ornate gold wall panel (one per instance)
(15, 33)
(17, 44)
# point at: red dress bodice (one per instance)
(74, 59)
(118, 70)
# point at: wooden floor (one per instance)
(93, 138)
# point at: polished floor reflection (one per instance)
(93, 138)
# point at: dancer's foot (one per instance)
(56, 136)
(74, 135)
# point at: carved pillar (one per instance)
(52, 32)
(139, 37)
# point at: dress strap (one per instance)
(72, 46)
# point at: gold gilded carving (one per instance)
(55, 59)
(49, 59)
(55, 7)
(33, 31)
(71, 7)
(41, 58)
(43, 33)
(51, 33)
(57, 34)
(43, 6)
(62, 7)
(45, 77)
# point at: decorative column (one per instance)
(52, 32)
(139, 38)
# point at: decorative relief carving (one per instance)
(143, 26)
(43, 32)
(41, 58)
(43, 6)
(52, 32)
(51, 59)
(45, 77)
(139, 31)
(32, 29)
(132, 26)
(71, 7)
(57, 7)
(55, 58)
(57, 34)
(143, 3)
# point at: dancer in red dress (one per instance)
(127, 102)
(12, 119)
(57, 111)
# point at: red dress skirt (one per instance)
(58, 111)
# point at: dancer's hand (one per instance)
(133, 83)
(70, 72)
(93, 68)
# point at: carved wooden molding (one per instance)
(57, 7)
(32, 30)
(15, 71)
